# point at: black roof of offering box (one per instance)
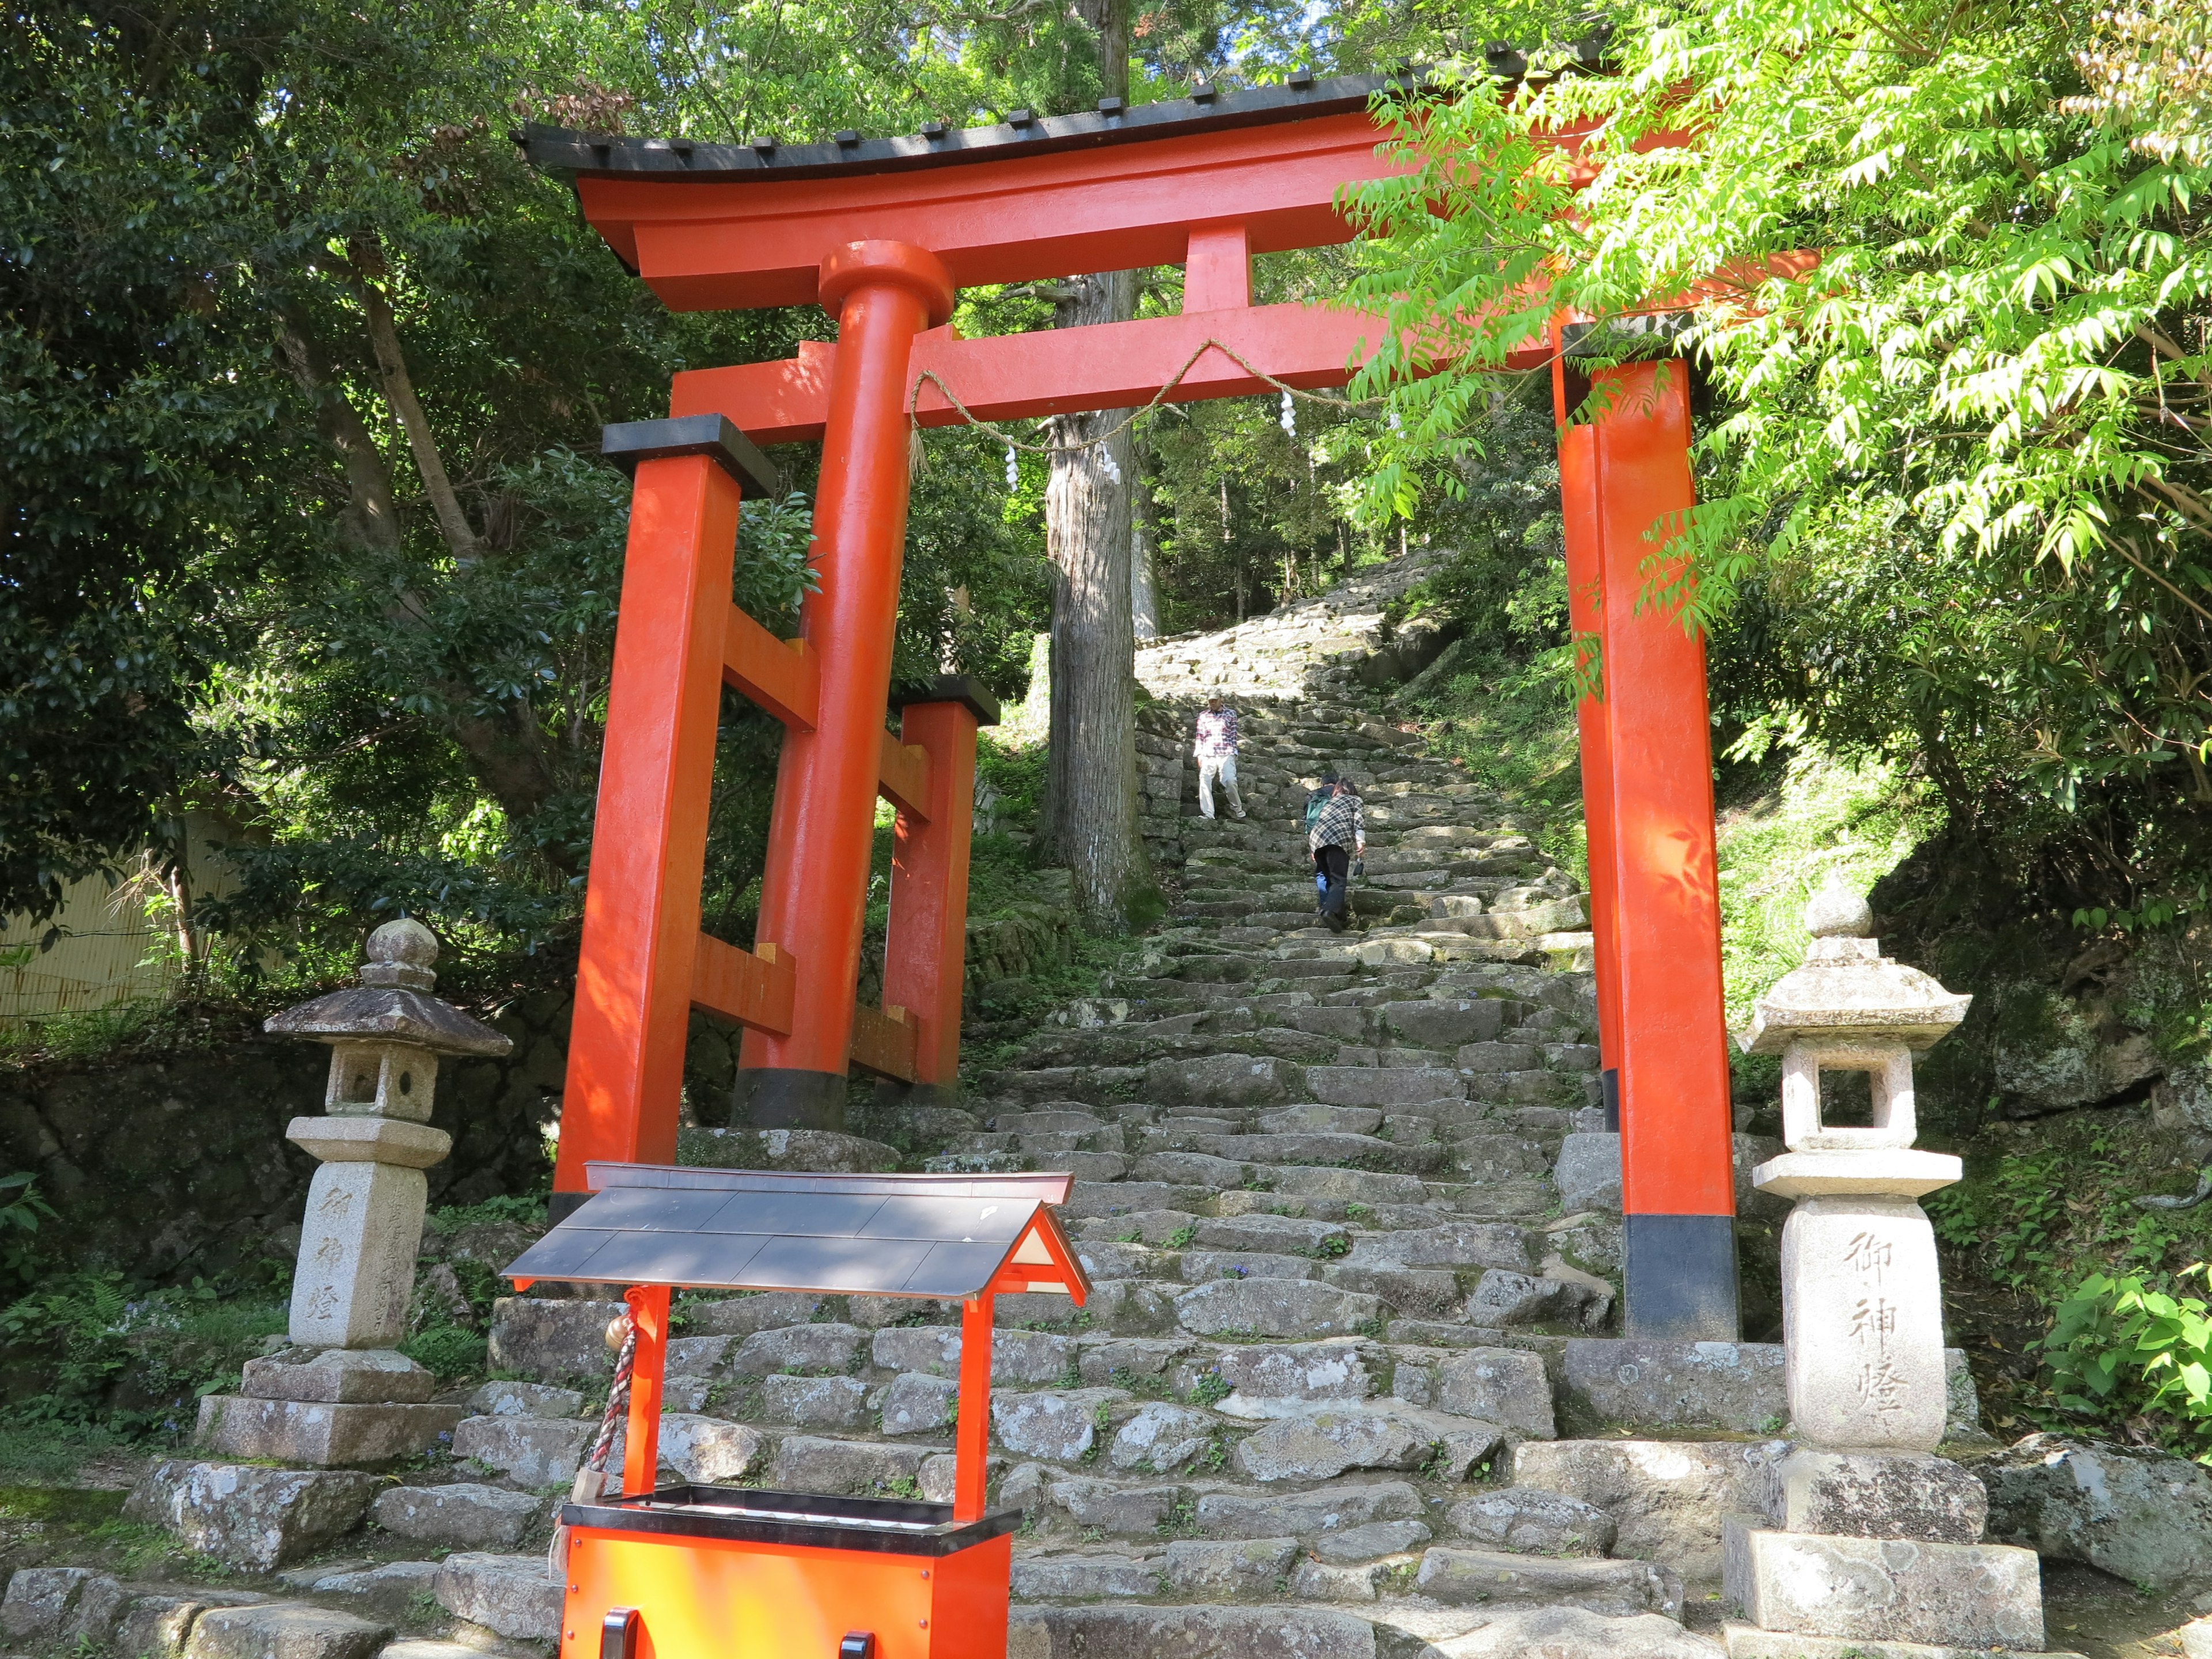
(754, 1230)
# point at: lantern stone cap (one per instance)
(393, 1003)
(1847, 991)
(369, 1140)
(1888, 1172)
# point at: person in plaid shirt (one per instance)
(1338, 836)
(1216, 749)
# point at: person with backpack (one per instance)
(1336, 835)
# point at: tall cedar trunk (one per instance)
(1091, 814)
(1144, 594)
(1092, 780)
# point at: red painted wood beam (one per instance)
(754, 987)
(703, 245)
(784, 676)
(926, 940)
(904, 777)
(635, 972)
(883, 1041)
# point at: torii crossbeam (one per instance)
(882, 233)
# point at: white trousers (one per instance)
(1223, 767)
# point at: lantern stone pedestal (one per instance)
(341, 1394)
(1878, 1540)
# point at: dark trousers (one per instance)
(1331, 867)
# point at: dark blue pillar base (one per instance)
(1680, 1277)
(1609, 1083)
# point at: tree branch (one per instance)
(364, 260)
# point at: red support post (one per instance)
(634, 976)
(821, 830)
(1678, 1186)
(926, 943)
(648, 1312)
(1586, 618)
(971, 1439)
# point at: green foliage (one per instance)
(2119, 1347)
(1947, 487)
(449, 1350)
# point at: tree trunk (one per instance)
(1090, 809)
(507, 752)
(1091, 779)
(366, 256)
(1144, 594)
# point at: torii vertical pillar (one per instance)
(821, 831)
(634, 975)
(1647, 758)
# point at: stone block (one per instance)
(1388, 1086)
(1486, 1578)
(1573, 1633)
(1438, 1024)
(157, 1623)
(250, 1517)
(1275, 1234)
(742, 1316)
(818, 1349)
(285, 1630)
(1632, 1382)
(815, 1402)
(1224, 1080)
(1422, 1292)
(463, 1516)
(323, 1436)
(1274, 1307)
(1058, 1427)
(394, 1589)
(1307, 1514)
(1370, 1542)
(1588, 1174)
(1453, 1244)
(1243, 1567)
(1863, 1318)
(524, 1399)
(1983, 1596)
(511, 1594)
(99, 1607)
(1083, 1577)
(530, 1451)
(2142, 1516)
(1108, 1631)
(1668, 1498)
(860, 1468)
(707, 1451)
(1503, 1298)
(347, 1376)
(917, 1403)
(698, 1356)
(1106, 1505)
(39, 1600)
(1504, 1386)
(552, 1340)
(1017, 1357)
(1326, 1443)
(1161, 1438)
(1202, 1266)
(362, 1228)
(1869, 1494)
(1743, 1641)
(1528, 1520)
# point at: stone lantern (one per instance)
(1874, 1538)
(341, 1393)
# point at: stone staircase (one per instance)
(1346, 1386)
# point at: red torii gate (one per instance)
(882, 233)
